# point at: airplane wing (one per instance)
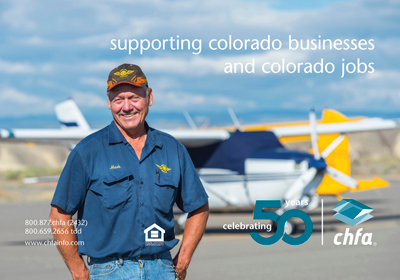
(198, 138)
(44, 134)
(189, 138)
(368, 124)
(331, 121)
(75, 128)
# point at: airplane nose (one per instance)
(4, 133)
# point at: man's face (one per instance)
(129, 106)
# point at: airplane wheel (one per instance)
(273, 227)
(290, 228)
(178, 228)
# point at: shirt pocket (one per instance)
(165, 191)
(117, 189)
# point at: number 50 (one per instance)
(260, 215)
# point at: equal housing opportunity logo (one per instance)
(353, 212)
(154, 235)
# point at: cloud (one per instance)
(379, 90)
(163, 83)
(93, 81)
(172, 100)
(88, 99)
(24, 67)
(71, 43)
(16, 68)
(201, 65)
(45, 83)
(13, 95)
(94, 23)
(14, 102)
(35, 41)
(17, 16)
(299, 101)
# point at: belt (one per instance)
(120, 259)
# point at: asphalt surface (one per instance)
(226, 254)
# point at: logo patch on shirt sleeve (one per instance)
(115, 167)
(163, 168)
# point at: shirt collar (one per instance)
(115, 136)
(152, 136)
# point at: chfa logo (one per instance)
(154, 235)
(353, 212)
(280, 221)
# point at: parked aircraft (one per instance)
(252, 164)
(238, 168)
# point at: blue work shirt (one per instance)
(120, 196)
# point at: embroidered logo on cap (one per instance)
(123, 73)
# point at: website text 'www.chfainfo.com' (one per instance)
(53, 243)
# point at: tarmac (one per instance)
(233, 254)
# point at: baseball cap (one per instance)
(126, 73)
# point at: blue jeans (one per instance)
(154, 267)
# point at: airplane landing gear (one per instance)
(179, 224)
(290, 228)
(178, 228)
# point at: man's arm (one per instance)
(63, 232)
(194, 229)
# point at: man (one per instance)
(123, 181)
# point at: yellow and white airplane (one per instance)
(331, 127)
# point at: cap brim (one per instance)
(124, 82)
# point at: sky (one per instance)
(53, 50)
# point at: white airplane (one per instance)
(239, 168)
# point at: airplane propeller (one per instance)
(235, 119)
(341, 177)
(295, 192)
(314, 135)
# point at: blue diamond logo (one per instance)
(352, 212)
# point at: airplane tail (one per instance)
(69, 116)
(339, 159)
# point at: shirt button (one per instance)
(143, 247)
(141, 203)
(142, 225)
(141, 182)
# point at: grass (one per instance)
(11, 175)
(384, 165)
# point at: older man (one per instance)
(123, 181)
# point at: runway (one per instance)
(224, 254)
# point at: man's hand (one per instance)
(180, 272)
(194, 229)
(64, 231)
(83, 275)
